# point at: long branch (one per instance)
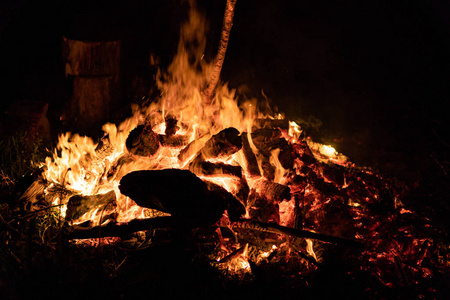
(218, 62)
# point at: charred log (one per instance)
(207, 168)
(142, 141)
(173, 141)
(262, 210)
(268, 170)
(274, 192)
(171, 125)
(222, 144)
(250, 158)
(263, 137)
(305, 154)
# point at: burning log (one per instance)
(171, 125)
(262, 210)
(250, 158)
(223, 144)
(79, 205)
(207, 168)
(173, 141)
(192, 148)
(274, 192)
(177, 192)
(218, 62)
(143, 141)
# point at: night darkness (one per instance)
(374, 74)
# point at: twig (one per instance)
(37, 211)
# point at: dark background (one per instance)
(370, 77)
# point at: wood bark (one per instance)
(208, 92)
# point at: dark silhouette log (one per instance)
(177, 192)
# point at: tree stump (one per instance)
(94, 70)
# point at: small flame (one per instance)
(310, 249)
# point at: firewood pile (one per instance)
(246, 212)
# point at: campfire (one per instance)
(248, 192)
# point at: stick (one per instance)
(218, 62)
(118, 229)
(275, 228)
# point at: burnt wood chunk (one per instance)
(79, 205)
(173, 141)
(143, 141)
(177, 192)
(274, 192)
(171, 125)
(223, 144)
(261, 209)
(207, 168)
(250, 158)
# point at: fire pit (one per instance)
(202, 187)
